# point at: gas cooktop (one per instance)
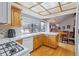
(10, 48)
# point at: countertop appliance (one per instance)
(11, 33)
(10, 48)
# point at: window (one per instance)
(42, 26)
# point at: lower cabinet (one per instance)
(52, 41)
(37, 42)
(47, 40)
(28, 43)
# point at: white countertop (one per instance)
(4, 40)
(33, 34)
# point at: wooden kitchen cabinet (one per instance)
(46, 40)
(37, 42)
(53, 41)
(40, 40)
(50, 40)
(20, 41)
(15, 17)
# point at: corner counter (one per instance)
(33, 34)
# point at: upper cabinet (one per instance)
(9, 14)
(4, 12)
(15, 16)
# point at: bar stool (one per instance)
(64, 37)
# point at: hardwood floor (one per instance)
(62, 50)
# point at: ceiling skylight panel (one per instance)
(62, 3)
(69, 6)
(49, 5)
(28, 4)
(44, 13)
(55, 10)
(38, 9)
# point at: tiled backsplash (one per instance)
(3, 33)
(3, 30)
(18, 31)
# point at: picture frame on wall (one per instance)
(68, 26)
(63, 27)
(59, 28)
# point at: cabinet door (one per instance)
(35, 42)
(16, 17)
(45, 40)
(52, 41)
(40, 40)
(3, 12)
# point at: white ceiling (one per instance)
(59, 18)
(45, 10)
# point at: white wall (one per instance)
(29, 19)
(67, 21)
(77, 32)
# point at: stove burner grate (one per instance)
(10, 48)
